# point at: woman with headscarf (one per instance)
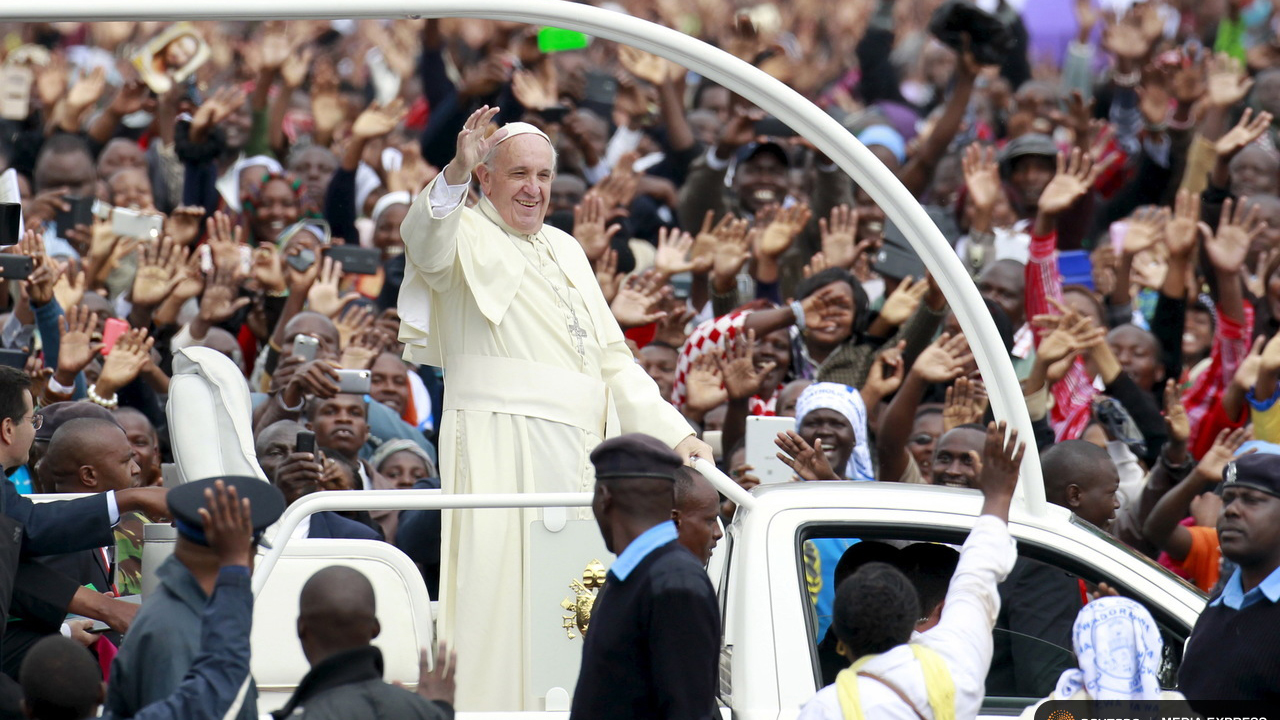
(832, 419)
(1119, 650)
(271, 206)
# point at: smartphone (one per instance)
(111, 332)
(15, 267)
(602, 88)
(773, 127)
(15, 92)
(246, 259)
(355, 382)
(135, 224)
(554, 114)
(356, 260)
(306, 442)
(10, 223)
(302, 260)
(305, 346)
(14, 359)
(81, 213)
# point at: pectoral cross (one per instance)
(579, 333)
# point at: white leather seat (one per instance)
(403, 608)
(210, 417)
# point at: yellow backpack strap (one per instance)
(847, 693)
(938, 682)
(940, 687)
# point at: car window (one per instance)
(1039, 603)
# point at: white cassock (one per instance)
(537, 373)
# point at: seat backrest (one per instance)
(403, 609)
(210, 417)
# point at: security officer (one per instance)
(162, 644)
(653, 646)
(61, 680)
(1234, 650)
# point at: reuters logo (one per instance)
(1061, 715)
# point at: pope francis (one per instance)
(537, 373)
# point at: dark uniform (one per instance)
(653, 644)
(162, 646)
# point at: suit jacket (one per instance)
(653, 647)
(54, 528)
(333, 525)
(40, 610)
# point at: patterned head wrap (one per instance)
(848, 402)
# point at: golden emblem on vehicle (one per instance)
(584, 596)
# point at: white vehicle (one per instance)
(768, 658)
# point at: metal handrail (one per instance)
(368, 500)
(787, 105)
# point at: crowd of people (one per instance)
(312, 198)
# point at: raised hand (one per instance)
(742, 379)
(944, 360)
(981, 176)
(216, 108)
(225, 238)
(1076, 175)
(532, 91)
(325, 295)
(1228, 83)
(1224, 448)
(1175, 414)
(266, 267)
(966, 403)
(183, 224)
(880, 385)
(1227, 249)
(1250, 128)
(1126, 39)
(69, 288)
(378, 120)
(903, 301)
(1180, 230)
(39, 285)
(353, 323)
(588, 226)
(295, 68)
(127, 358)
(362, 350)
(327, 109)
(648, 67)
(228, 525)
(76, 349)
(671, 329)
(636, 302)
(733, 250)
(808, 461)
(839, 236)
(86, 92)
(781, 227)
(1145, 228)
(158, 272)
(438, 683)
(704, 387)
(607, 275)
(220, 301)
(473, 146)
(1001, 461)
(673, 254)
(129, 99)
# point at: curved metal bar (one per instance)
(724, 484)
(308, 505)
(750, 82)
